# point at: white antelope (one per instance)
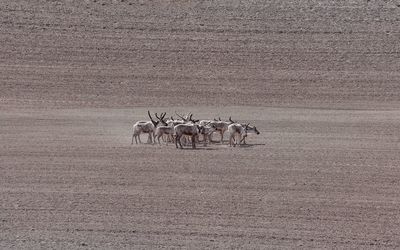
(167, 129)
(191, 130)
(236, 129)
(144, 127)
(241, 130)
(220, 126)
(187, 119)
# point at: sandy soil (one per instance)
(319, 80)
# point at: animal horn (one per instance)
(148, 112)
(180, 116)
(230, 119)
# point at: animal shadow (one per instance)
(198, 148)
(249, 145)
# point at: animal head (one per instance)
(250, 129)
(201, 128)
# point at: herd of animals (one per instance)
(187, 130)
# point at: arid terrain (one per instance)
(319, 79)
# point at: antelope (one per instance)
(188, 119)
(166, 129)
(144, 127)
(203, 123)
(192, 130)
(236, 129)
(220, 126)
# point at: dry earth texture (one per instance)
(319, 79)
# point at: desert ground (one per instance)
(319, 79)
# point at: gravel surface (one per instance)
(319, 79)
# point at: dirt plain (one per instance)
(319, 79)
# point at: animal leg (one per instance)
(240, 139)
(244, 140)
(185, 140)
(193, 141)
(176, 141)
(179, 141)
(158, 138)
